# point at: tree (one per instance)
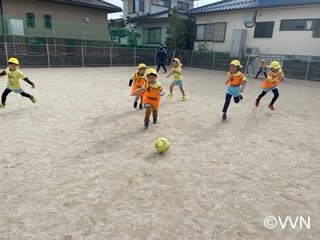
(118, 30)
(177, 31)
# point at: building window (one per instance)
(183, 6)
(136, 6)
(211, 32)
(47, 22)
(30, 20)
(263, 30)
(296, 25)
(316, 28)
(151, 35)
(164, 3)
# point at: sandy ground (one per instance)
(79, 165)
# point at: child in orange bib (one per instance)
(152, 91)
(136, 82)
(270, 83)
(236, 83)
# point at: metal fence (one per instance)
(51, 55)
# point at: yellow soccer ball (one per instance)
(161, 145)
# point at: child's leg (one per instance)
(155, 116)
(258, 73)
(147, 115)
(140, 105)
(226, 103)
(237, 99)
(275, 97)
(135, 103)
(4, 96)
(182, 91)
(265, 74)
(259, 97)
(171, 90)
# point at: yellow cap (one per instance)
(275, 65)
(176, 60)
(13, 60)
(236, 63)
(141, 65)
(151, 71)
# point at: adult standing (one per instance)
(161, 57)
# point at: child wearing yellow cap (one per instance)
(177, 78)
(152, 91)
(270, 83)
(262, 69)
(236, 82)
(136, 81)
(14, 76)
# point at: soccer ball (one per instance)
(161, 145)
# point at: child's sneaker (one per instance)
(154, 120)
(169, 95)
(2, 106)
(183, 98)
(271, 107)
(146, 125)
(140, 106)
(224, 116)
(33, 99)
(257, 103)
(241, 97)
(135, 104)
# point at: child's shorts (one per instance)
(19, 90)
(269, 89)
(177, 82)
(234, 91)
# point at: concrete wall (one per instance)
(282, 42)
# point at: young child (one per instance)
(136, 81)
(14, 76)
(234, 81)
(152, 91)
(177, 78)
(263, 69)
(270, 83)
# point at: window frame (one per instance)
(30, 17)
(283, 21)
(47, 21)
(211, 32)
(257, 32)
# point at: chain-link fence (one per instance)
(52, 55)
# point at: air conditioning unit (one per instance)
(252, 51)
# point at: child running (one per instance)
(275, 75)
(177, 78)
(234, 81)
(136, 81)
(263, 69)
(152, 91)
(14, 76)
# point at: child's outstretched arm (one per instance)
(136, 92)
(3, 73)
(130, 82)
(170, 74)
(28, 81)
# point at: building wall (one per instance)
(282, 42)
(67, 21)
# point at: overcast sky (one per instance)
(119, 4)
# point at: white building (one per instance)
(255, 26)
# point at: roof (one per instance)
(157, 16)
(234, 5)
(95, 4)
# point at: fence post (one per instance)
(82, 56)
(110, 54)
(213, 59)
(134, 56)
(6, 50)
(191, 60)
(48, 54)
(307, 72)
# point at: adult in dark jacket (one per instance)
(161, 57)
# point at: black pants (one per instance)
(264, 72)
(275, 97)
(161, 64)
(6, 93)
(227, 102)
